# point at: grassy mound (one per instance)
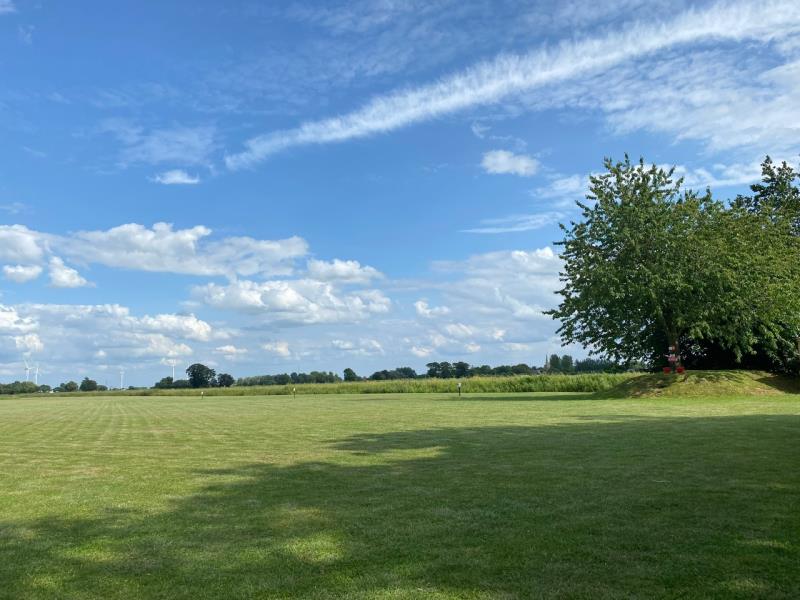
(705, 383)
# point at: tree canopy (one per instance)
(200, 375)
(651, 265)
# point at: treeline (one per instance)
(287, 378)
(20, 387)
(546, 382)
(438, 370)
(29, 387)
(199, 376)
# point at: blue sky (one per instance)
(270, 187)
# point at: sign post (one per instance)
(672, 357)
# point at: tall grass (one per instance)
(585, 382)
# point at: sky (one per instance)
(270, 187)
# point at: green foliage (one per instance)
(595, 365)
(164, 383)
(225, 380)
(777, 196)
(554, 362)
(650, 265)
(200, 376)
(88, 385)
(585, 382)
(286, 378)
(69, 386)
(398, 373)
(350, 375)
(19, 387)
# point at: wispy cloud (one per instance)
(177, 145)
(25, 34)
(517, 223)
(7, 7)
(175, 177)
(14, 208)
(506, 75)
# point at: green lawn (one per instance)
(423, 496)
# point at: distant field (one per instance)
(400, 496)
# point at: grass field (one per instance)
(423, 496)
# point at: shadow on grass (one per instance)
(641, 507)
(785, 384)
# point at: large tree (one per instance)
(651, 265)
(88, 385)
(225, 380)
(200, 375)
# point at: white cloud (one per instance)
(279, 348)
(424, 310)
(18, 244)
(294, 301)
(164, 249)
(719, 175)
(509, 75)
(570, 188)
(22, 273)
(78, 336)
(153, 345)
(7, 7)
(503, 288)
(500, 162)
(363, 347)
(459, 330)
(62, 276)
(28, 343)
(185, 326)
(230, 352)
(421, 351)
(12, 322)
(176, 177)
(160, 248)
(345, 271)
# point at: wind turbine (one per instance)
(172, 364)
(36, 374)
(28, 369)
(121, 377)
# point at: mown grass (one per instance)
(418, 496)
